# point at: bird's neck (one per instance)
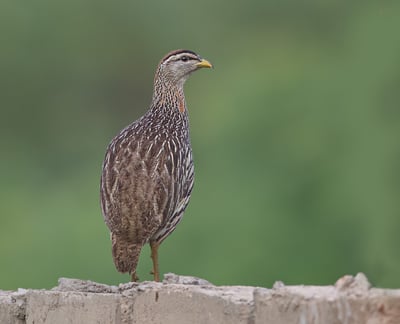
(168, 96)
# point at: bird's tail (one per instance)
(125, 253)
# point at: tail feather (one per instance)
(125, 253)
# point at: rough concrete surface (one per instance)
(182, 299)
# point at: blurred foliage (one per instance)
(296, 136)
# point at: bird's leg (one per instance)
(134, 277)
(154, 256)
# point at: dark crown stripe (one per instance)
(179, 51)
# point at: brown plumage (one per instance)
(148, 171)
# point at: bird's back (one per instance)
(146, 183)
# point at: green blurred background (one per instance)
(296, 136)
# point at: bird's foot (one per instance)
(134, 277)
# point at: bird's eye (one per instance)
(184, 58)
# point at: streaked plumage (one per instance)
(148, 170)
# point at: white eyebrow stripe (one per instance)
(177, 57)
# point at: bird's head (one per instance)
(177, 65)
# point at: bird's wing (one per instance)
(136, 185)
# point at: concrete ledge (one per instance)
(181, 299)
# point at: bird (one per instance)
(148, 173)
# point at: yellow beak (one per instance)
(204, 64)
